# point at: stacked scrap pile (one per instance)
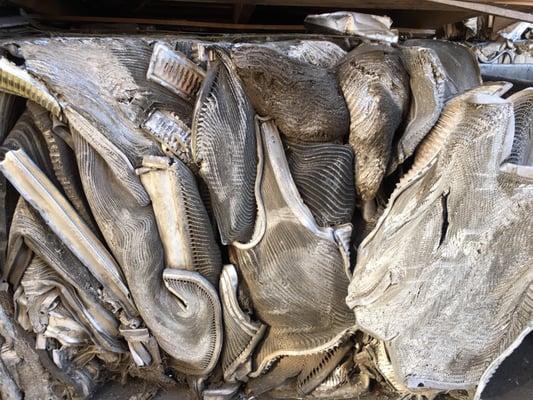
(290, 219)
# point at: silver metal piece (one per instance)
(224, 148)
(63, 161)
(521, 153)
(449, 262)
(520, 75)
(321, 53)
(427, 79)
(112, 155)
(192, 259)
(376, 88)
(323, 174)
(459, 62)
(201, 308)
(142, 345)
(367, 26)
(173, 70)
(59, 215)
(278, 85)
(116, 193)
(8, 114)
(295, 273)
(65, 329)
(241, 334)
(42, 289)
(169, 130)
(183, 224)
(15, 80)
(226, 392)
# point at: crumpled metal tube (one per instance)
(192, 259)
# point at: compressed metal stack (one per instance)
(290, 219)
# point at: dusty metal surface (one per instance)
(235, 217)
